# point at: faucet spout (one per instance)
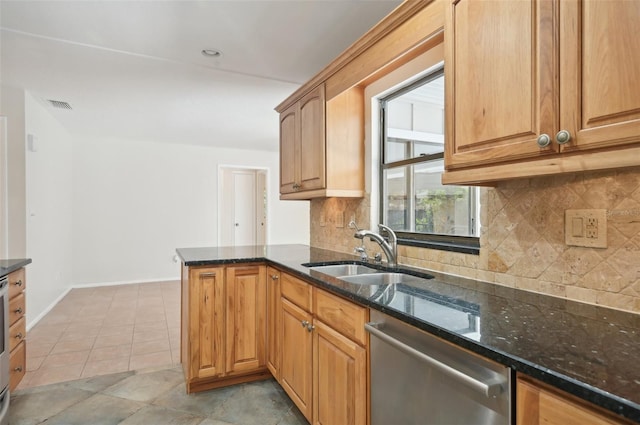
(389, 249)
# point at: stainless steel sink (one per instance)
(339, 270)
(377, 278)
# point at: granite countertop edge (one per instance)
(611, 402)
(10, 265)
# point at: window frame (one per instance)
(454, 243)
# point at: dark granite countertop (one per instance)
(11, 265)
(586, 350)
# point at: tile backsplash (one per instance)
(522, 237)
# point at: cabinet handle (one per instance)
(18, 282)
(296, 186)
(304, 323)
(18, 310)
(209, 274)
(563, 137)
(275, 277)
(19, 335)
(17, 369)
(544, 140)
(310, 327)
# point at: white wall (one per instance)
(13, 107)
(135, 202)
(49, 208)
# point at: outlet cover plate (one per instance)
(587, 228)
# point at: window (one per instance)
(413, 201)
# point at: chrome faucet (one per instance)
(390, 248)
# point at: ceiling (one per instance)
(134, 69)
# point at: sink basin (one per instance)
(377, 278)
(339, 270)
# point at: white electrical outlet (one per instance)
(586, 228)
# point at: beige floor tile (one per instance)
(73, 345)
(144, 361)
(116, 330)
(44, 376)
(71, 335)
(33, 363)
(110, 340)
(150, 335)
(26, 381)
(106, 353)
(39, 348)
(77, 358)
(151, 326)
(103, 367)
(146, 347)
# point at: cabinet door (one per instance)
(600, 73)
(536, 406)
(501, 87)
(246, 318)
(296, 361)
(273, 322)
(289, 150)
(206, 309)
(340, 379)
(312, 140)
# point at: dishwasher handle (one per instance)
(489, 389)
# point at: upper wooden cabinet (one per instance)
(517, 71)
(322, 146)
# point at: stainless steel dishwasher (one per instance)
(419, 379)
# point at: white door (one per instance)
(242, 207)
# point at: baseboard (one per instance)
(35, 321)
(123, 282)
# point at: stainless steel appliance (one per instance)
(4, 350)
(417, 378)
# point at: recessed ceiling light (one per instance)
(212, 53)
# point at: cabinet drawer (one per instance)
(16, 308)
(344, 316)
(17, 333)
(296, 291)
(17, 365)
(17, 283)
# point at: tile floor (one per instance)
(151, 397)
(102, 330)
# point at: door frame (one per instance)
(222, 201)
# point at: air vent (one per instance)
(59, 104)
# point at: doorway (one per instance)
(242, 209)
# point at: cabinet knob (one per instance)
(19, 335)
(310, 327)
(544, 140)
(296, 186)
(304, 323)
(18, 282)
(17, 369)
(275, 277)
(563, 137)
(18, 310)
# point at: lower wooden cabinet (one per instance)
(339, 378)
(17, 327)
(539, 404)
(273, 322)
(297, 356)
(323, 369)
(223, 325)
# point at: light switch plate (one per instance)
(586, 228)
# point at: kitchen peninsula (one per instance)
(584, 350)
